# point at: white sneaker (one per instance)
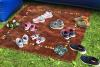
(40, 40)
(25, 39)
(39, 19)
(43, 17)
(19, 42)
(47, 14)
(35, 36)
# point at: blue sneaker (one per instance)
(65, 34)
(79, 48)
(72, 33)
(90, 60)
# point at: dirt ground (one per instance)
(53, 37)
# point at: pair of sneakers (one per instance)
(58, 24)
(22, 41)
(42, 18)
(30, 26)
(38, 38)
(82, 21)
(68, 34)
(13, 25)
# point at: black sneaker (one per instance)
(90, 60)
(79, 48)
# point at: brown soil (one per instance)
(53, 37)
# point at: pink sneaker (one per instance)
(27, 26)
(33, 28)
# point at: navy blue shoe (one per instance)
(65, 34)
(90, 60)
(72, 33)
(79, 48)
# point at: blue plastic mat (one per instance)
(7, 7)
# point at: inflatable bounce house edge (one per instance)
(7, 7)
(93, 4)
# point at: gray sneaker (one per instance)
(80, 22)
(58, 24)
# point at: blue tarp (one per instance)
(7, 7)
(94, 4)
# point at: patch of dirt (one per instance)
(53, 37)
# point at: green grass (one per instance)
(13, 58)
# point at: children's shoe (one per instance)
(48, 14)
(39, 19)
(40, 40)
(65, 34)
(58, 24)
(42, 18)
(60, 50)
(79, 48)
(13, 25)
(10, 25)
(25, 39)
(80, 22)
(35, 36)
(33, 28)
(90, 60)
(72, 33)
(19, 42)
(27, 26)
